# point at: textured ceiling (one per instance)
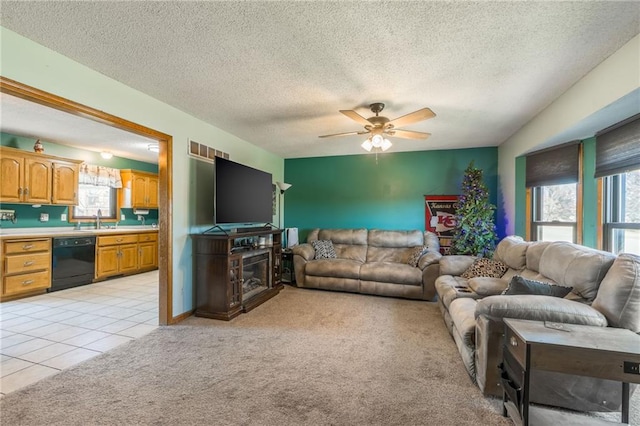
(276, 73)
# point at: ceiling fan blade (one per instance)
(414, 117)
(356, 117)
(344, 134)
(408, 134)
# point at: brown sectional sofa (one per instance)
(370, 262)
(606, 292)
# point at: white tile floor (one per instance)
(42, 335)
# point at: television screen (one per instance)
(242, 194)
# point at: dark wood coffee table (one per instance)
(601, 352)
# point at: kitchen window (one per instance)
(98, 191)
(92, 198)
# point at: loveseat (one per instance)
(380, 262)
(602, 290)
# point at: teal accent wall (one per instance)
(589, 195)
(521, 196)
(356, 192)
(29, 216)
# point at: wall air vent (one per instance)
(205, 153)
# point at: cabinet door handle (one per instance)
(26, 191)
(20, 191)
(28, 263)
(27, 282)
(119, 240)
(27, 247)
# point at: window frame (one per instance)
(610, 213)
(532, 195)
(110, 219)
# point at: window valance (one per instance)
(618, 148)
(91, 174)
(553, 166)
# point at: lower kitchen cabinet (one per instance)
(116, 254)
(126, 254)
(148, 251)
(26, 267)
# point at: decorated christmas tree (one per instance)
(475, 231)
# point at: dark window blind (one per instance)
(553, 166)
(618, 148)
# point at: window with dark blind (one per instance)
(618, 148)
(552, 177)
(553, 166)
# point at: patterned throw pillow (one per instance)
(520, 285)
(416, 254)
(324, 249)
(484, 267)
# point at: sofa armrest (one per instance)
(539, 308)
(305, 251)
(455, 264)
(429, 258)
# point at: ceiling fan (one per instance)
(378, 126)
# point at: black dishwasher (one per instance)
(73, 262)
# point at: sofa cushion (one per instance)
(414, 254)
(388, 272)
(512, 251)
(484, 267)
(347, 243)
(521, 285)
(576, 266)
(455, 264)
(338, 268)
(534, 253)
(619, 294)
(487, 286)
(324, 249)
(391, 246)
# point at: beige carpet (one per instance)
(303, 358)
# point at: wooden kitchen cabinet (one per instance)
(116, 254)
(33, 178)
(126, 254)
(148, 251)
(139, 189)
(66, 177)
(26, 267)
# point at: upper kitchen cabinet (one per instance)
(33, 178)
(139, 189)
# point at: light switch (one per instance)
(122, 217)
(63, 217)
(44, 217)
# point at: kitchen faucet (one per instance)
(98, 216)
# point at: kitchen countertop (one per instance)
(68, 231)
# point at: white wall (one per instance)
(32, 64)
(611, 80)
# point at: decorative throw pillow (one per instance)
(520, 285)
(484, 267)
(415, 254)
(324, 249)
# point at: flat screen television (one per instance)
(243, 195)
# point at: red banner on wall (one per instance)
(440, 218)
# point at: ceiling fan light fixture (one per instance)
(106, 155)
(386, 144)
(367, 145)
(377, 141)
